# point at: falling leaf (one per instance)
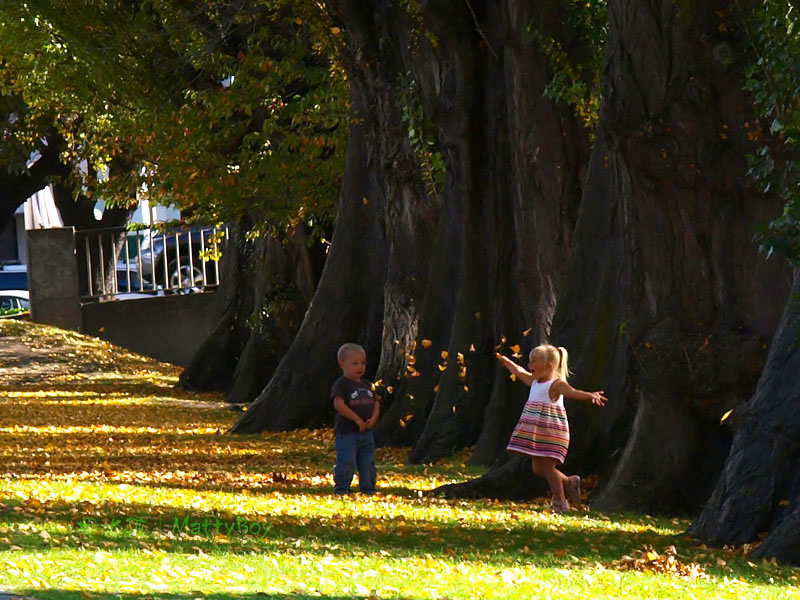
(472, 347)
(512, 377)
(426, 343)
(444, 354)
(503, 339)
(725, 416)
(527, 332)
(515, 349)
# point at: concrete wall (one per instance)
(53, 278)
(168, 328)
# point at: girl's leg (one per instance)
(545, 467)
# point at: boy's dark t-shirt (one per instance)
(358, 396)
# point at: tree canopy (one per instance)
(218, 108)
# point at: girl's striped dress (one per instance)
(543, 429)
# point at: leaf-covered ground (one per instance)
(114, 484)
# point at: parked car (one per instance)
(131, 286)
(14, 300)
(175, 260)
(13, 277)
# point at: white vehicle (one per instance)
(15, 300)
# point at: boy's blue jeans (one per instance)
(354, 451)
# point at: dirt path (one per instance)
(32, 354)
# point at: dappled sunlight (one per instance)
(120, 484)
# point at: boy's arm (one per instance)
(561, 387)
(348, 413)
(520, 373)
(376, 412)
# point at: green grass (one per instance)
(115, 485)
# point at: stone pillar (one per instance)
(53, 278)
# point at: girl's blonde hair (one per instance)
(556, 355)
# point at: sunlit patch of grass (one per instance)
(117, 485)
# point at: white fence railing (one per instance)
(148, 262)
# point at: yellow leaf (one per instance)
(426, 343)
(725, 416)
(444, 354)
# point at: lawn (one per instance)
(115, 484)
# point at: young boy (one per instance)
(357, 411)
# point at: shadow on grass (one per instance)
(56, 594)
(546, 540)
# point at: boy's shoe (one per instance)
(574, 489)
(560, 507)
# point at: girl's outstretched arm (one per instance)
(520, 373)
(561, 387)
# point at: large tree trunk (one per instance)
(461, 271)
(664, 305)
(758, 495)
(661, 301)
(676, 323)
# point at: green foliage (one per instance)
(773, 79)
(577, 72)
(219, 108)
(421, 135)
(280, 308)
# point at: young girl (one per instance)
(543, 430)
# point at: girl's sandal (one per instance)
(574, 489)
(560, 507)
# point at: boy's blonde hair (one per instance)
(556, 355)
(346, 349)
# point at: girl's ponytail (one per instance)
(563, 369)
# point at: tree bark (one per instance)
(266, 287)
(677, 320)
(449, 272)
(758, 494)
(346, 305)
